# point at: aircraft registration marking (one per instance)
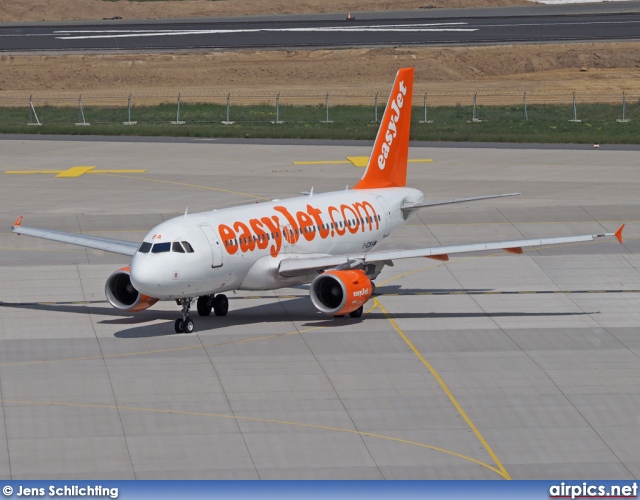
(73, 172)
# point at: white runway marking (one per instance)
(93, 34)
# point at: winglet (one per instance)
(618, 233)
(517, 250)
(17, 222)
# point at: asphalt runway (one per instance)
(497, 366)
(532, 24)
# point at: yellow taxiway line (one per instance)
(73, 172)
(356, 161)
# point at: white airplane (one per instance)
(329, 240)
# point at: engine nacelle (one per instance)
(340, 292)
(121, 294)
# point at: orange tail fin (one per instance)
(388, 162)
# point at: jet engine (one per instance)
(340, 292)
(121, 294)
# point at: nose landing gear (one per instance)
(219, 304)
(185, 324)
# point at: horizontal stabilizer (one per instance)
(415, 206)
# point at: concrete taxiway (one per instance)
(483, 367)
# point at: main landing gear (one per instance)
(205, 304)
(353, 314)
(219, 303)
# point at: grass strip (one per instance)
(546, 123)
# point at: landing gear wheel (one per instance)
(205, 305)
(179, 325)
(357, 313)
(220, 305)
(184, 324)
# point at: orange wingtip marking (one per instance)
(444, 257)
(619, 233)
(514, 250)
(18, 222)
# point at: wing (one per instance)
(294, 266)
(105, 244)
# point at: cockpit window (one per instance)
(161, 247)
(145, 247)
(187, 246)
(177, 247)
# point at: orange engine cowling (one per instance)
(340, 292)
(121, 294)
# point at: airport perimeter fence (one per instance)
(228, 109)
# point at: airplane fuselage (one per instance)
(240, 248)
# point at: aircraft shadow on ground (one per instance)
(401, 290)
(298, 309)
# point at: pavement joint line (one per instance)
(501, 470)
(159, 351)
(190, 185)
(376, 294)
(250, 419)
(204, 346)
(16, 249)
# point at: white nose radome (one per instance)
(144, 276)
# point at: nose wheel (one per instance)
(185, 324)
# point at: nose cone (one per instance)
(144, 276)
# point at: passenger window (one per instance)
(145, 247)
(161, 247)
(187, 246)
(177, 247)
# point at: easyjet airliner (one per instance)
(330, 240)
